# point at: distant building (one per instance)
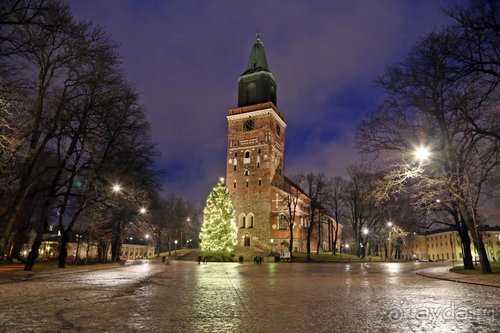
(445, 245)
(50, 247)
(255, 173)
(137, 250)
(80, 248)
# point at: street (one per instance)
(229, 297)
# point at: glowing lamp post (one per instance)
(365, 232)
(175, 242)
(422, 154)
(117, 188)
(147, 244)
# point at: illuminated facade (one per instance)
(445, 245)
(255, 174)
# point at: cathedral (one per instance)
(255, 173)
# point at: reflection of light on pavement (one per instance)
(393, 267)
(217, 285)
(271, 269)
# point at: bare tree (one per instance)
(361, 201)
(337, 207)
(291, 196)
(429, 102)
(315, 186)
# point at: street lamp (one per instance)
(78, 238)
(175, 242)
(422, 153)
(389, 245)
(365, 232)
(117, 188)
(147, 244)
(142, 210)
(272, 244)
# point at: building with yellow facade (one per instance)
(445, 245)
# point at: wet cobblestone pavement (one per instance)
(228, 297)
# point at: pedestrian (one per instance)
(260, 260)
(206, 259)
(240, 259)
(199, 260)
(255, 260)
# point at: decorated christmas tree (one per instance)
(218, 232)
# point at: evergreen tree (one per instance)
(218, 233)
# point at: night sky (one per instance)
(185, 58)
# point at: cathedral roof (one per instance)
(257, 61)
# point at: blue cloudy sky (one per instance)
(185, 58)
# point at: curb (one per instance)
(444, 278)
(19, 276)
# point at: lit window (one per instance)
(242, 221)
(250, 221)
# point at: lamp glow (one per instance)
(422, 153)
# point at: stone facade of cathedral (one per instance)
(255, 164)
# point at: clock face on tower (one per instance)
(248, 125)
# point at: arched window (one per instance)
(250, 220)
(251, 92)
(242, 220)
(246, 172)
(246, 159)
(282, 222)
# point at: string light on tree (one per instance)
(219, 231)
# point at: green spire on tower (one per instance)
(257, 61)
(256, 84)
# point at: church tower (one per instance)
(255, 151)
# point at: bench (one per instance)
(285, 256)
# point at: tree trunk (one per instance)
(102, 252)
(335, 237)
(310, 229)
(476, 238)
(483, 257)
(63, 251)
(318, 243)
(116, 249)
(33, 255)
(466, 251)
(291, 240)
